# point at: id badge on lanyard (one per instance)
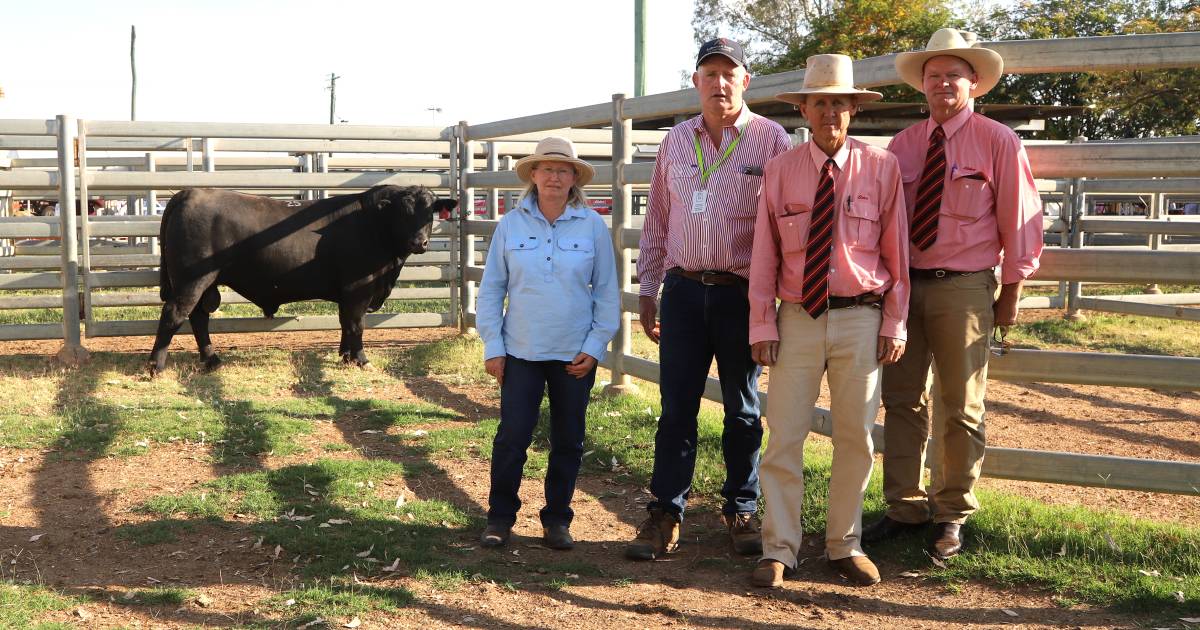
(700, 197)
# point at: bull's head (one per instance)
(408, 213)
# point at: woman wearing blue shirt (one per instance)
(552, 256)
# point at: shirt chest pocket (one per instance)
(862, 223)
(683, 180)
(521, 243)
(971, 196)
(793, 228)
(576, 246)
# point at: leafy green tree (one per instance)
(781, 34)
(1132, 104)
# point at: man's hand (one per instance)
(1004, 311)
(495, 367)
(765, 353)
(889, 350)
(581, 365)
(648, 314)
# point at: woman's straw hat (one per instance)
(556, 149)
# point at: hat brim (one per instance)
(583, 171)
(798, 97)
(988, 65)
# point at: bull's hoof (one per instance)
(349, 359)
(155, 369)
(211, 363)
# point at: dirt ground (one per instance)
(702, 586)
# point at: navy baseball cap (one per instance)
(721, 46)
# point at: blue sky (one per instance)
(269, 60)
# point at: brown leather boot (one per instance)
(657, 536)
(745, 533)
(858, 569)
(768, 573)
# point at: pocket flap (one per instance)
(863, 209)
(790, 209)
(967, 172)
(575, 244)
(520, 242)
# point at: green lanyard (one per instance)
(705, 172)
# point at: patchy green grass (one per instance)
(457, 359)
(22, 604)
(1111, 332)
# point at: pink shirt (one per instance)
(989, 203)
(870, 233)
(718, 239)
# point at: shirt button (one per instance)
(547, 240)
(547, 258)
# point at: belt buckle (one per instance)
(939, 273)
(704, 278)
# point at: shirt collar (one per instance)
(839, 158)
(950, 127)
(530, 205)
(739, 125)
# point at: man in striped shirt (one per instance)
(696, 246)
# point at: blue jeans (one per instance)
(520, 404)
(699, 322)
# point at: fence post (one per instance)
(493, 194)
(1154, 240)
(85, 230)
(207, 158)
(510, 196)
(466, 241)
(456, 269)
(322, 167)
(1075, 288)
(622, 202)
(72, 352)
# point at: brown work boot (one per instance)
(657, 536)
(744, 531)
(858, 569)
(769, 573)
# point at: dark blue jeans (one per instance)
(520, 402)
(698, 323)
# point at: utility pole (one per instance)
(133, 73)
(332, 97)
(639, 48)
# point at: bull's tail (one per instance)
(164, 278)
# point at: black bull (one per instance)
(347, 249)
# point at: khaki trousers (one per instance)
(841, 344)
(949, 321)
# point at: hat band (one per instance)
(557, 153)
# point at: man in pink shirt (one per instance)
(831, 242)
(696, 246)
(973, 205)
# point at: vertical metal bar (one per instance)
(1154, 241)
(151, 199)
(493, 194)
(72, 352)
(1078, 207)
(622, 207)
(85, 231)
(191, 159)
(510, 196)
(456, 269)
(466, 202)
(322, 167)
(208, 148)
(1065, 212)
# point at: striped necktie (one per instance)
(815, 292)
(929, 192)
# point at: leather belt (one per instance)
(865, 299)
(940, 274)
(710, 278)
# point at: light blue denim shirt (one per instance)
(561, 283)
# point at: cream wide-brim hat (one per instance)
(988, 64)
(828, 74)
(555, 149)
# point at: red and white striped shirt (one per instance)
(721, 237)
